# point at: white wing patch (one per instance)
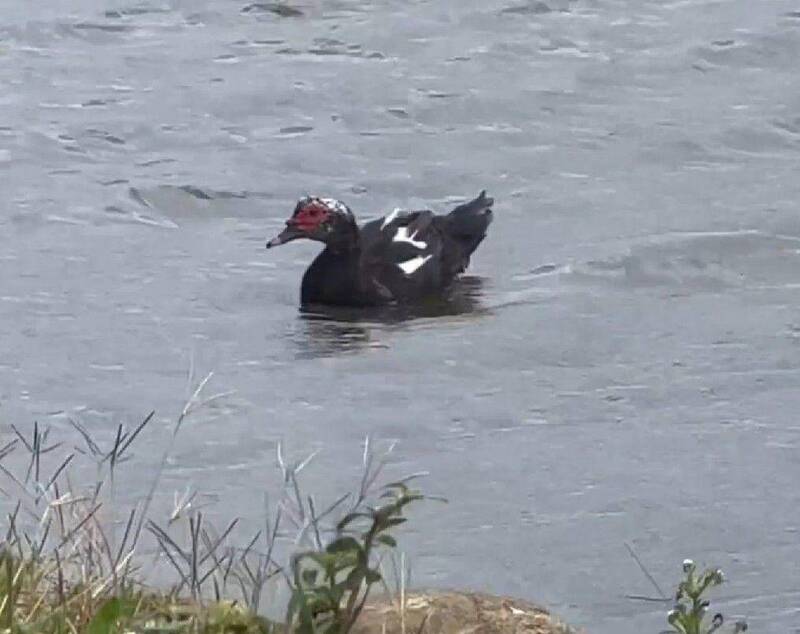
(388, 219)
(410, 266)
(402, 236)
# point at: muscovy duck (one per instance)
(402, 257)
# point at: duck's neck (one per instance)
(333, 277)
(345, 240)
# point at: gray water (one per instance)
(622, 366)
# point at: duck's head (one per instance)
(323, 219)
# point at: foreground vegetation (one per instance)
(689, 616)
(71, 563)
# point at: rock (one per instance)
(457, 613)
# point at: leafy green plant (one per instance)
(224, 617)
(331, 585)
(691, 605)
(107, 618)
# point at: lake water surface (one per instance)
(622, 366)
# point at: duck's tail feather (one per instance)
(469, 221)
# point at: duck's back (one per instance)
(402, 254)
(414, 253)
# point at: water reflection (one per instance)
(330, 330)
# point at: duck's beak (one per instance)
(287, 235)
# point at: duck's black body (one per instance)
(403, 257)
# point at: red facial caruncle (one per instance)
(309, 216)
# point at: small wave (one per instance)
(108, 28)
(276, 8)
(533, 7)
(134, 11)
(117, 213)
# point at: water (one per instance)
(623, 365)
